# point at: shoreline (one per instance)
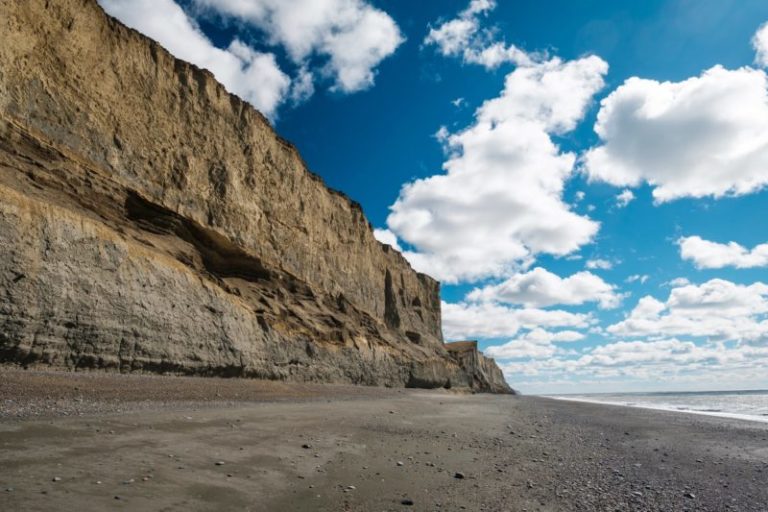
(328, 448)
(672, 409)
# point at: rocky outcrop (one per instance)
(484, 375)
(151, 221)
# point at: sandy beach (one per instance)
(113, 442)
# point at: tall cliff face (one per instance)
(151, 221)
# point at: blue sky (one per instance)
(573, 172)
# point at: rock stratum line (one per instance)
(152, 222)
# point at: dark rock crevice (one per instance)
(220, 256)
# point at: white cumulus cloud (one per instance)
(534, 344)
(352, 35)
(464, 37)
(716, 310)
(706, 254)
(660, 362)
(760, 44)
(487, 320)
(541, 288)
(624, 198)
(704, 136)
(500, 199)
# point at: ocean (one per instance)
(747, 405)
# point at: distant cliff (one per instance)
(151, 221)
(483, 372)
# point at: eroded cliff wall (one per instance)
(484, 374)
(151, 221)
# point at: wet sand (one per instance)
(110, 442)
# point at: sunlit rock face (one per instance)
(150, 221)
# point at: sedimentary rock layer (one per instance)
(151, 221)
(484, 374)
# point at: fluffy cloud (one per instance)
(717, 310)
(535, 344)
(463, 37)
(486, 320)
(624, 198)
(541, 288)
(500, 200)
(708, 134)
(659, 361)
(353, 35)
(252, 75)
(760, 44)
(706, 254)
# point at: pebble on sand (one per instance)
(459, 475)
(407, 502)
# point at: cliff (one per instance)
(151, 221)
(485, 375)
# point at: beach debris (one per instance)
(56, 479)
(220, 462)
(306, 446)
(400, 463)
(458, 475)
(690, 495)
(407, 502)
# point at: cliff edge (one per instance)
(151, 221)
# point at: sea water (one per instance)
(748, 405)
